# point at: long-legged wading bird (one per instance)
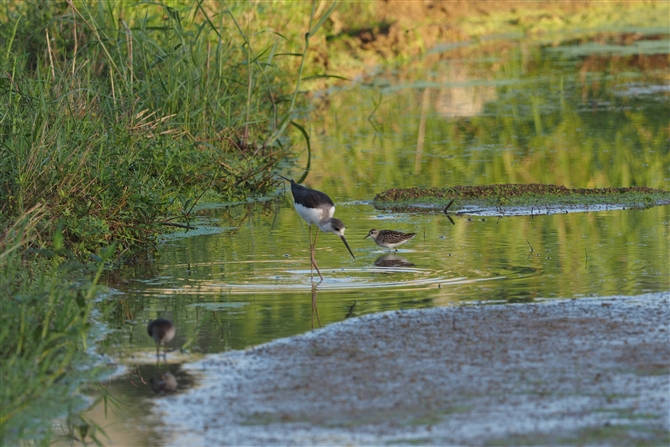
(162, 331)
(316, 208)
(389, 238)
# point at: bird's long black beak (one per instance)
(347, 245)
(367, 236)
(287, 179)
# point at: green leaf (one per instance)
(323, 19)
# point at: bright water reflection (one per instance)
(506, 113)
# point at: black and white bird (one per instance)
(162, 331)
(389, 238)
(316, 208)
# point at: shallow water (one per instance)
(252, 284)
(587, 114)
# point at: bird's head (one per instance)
(334, 225)
(374, 233)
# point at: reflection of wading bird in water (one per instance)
(162, 331)
(316, 208)
(163, 383)
(389, 238)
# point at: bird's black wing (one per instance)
(310, 198)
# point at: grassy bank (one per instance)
(117, 116)
(46, 333)
(115, 119)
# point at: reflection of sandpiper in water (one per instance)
(317, 208)
(392, 260)
(163, 383)
(389, 238)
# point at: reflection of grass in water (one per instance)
(554, 125)
(197, 230)
(640, 47)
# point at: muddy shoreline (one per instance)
(561, 372)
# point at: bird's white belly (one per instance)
(390, 244)
(314, 215)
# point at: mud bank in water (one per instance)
(519, 199)
(560, 372)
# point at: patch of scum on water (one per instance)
(465, 374)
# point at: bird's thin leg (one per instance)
(313, 252)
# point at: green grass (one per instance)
(116, 118)
(45, 332)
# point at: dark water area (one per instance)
(589, 113)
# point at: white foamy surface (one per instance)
(541, 373)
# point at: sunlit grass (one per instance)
(117, 116)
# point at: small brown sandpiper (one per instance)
(389, 238)
(162, 331)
